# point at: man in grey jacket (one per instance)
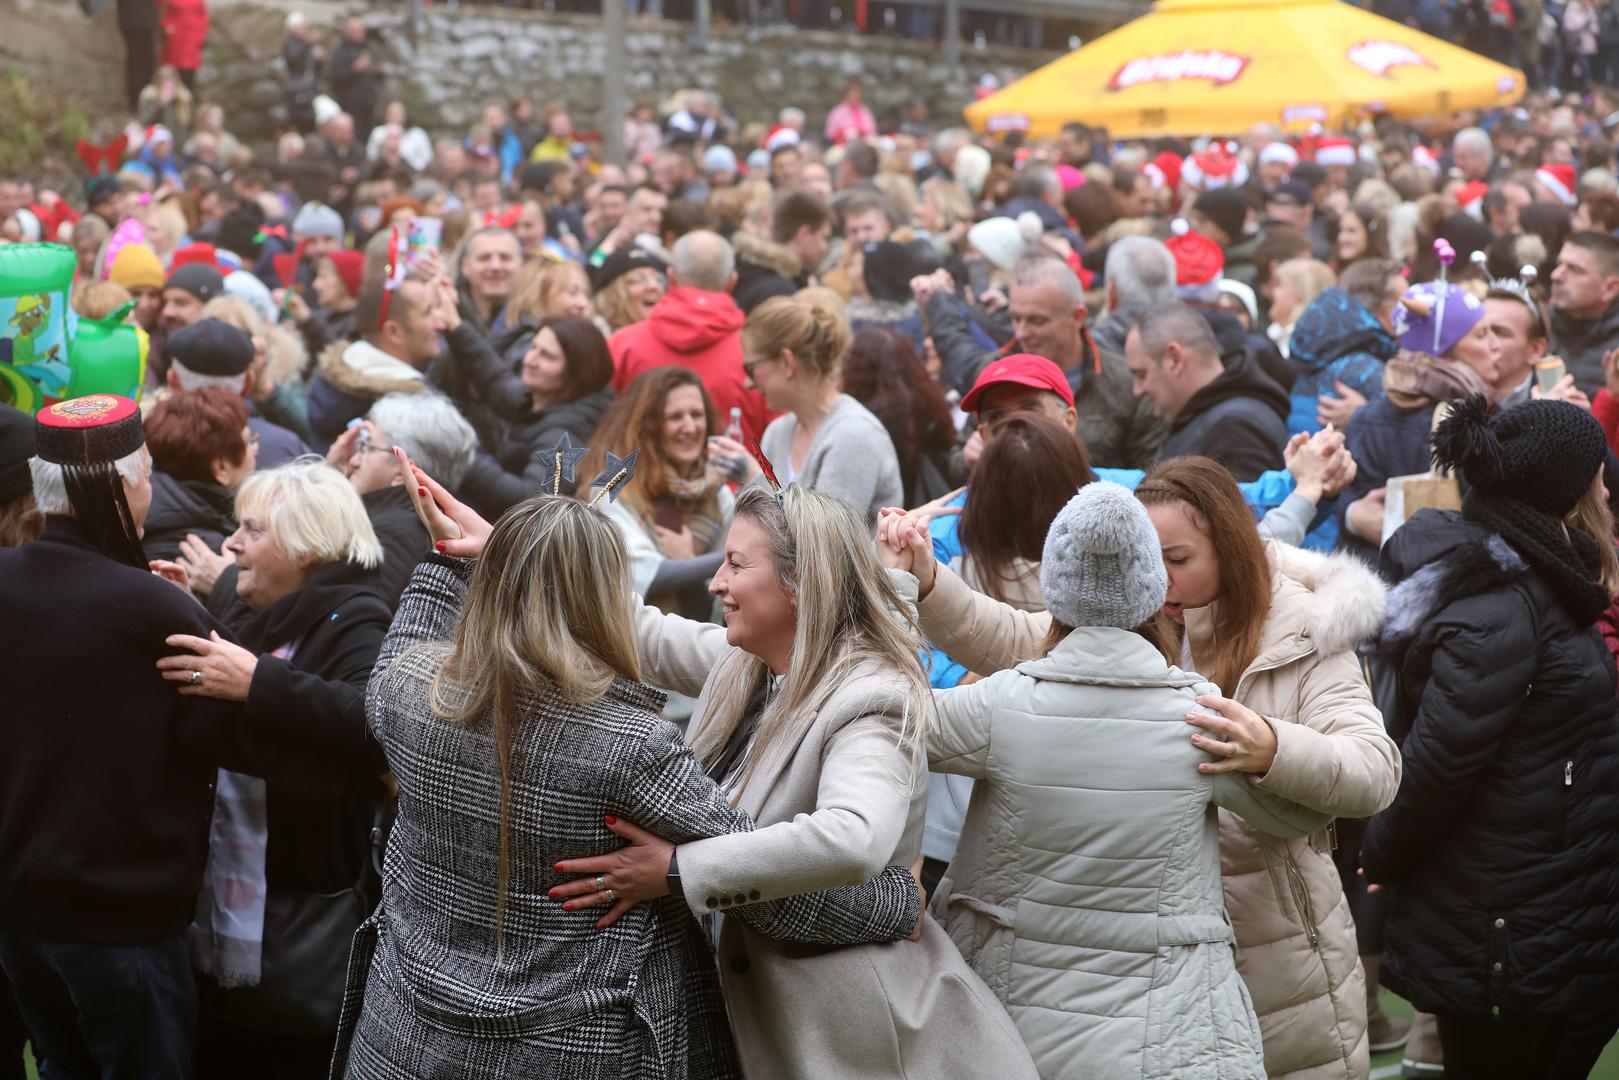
(1585, 306)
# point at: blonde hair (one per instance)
(99, 299)
(849, 620)
(310, 512)
(817, 335)
(537, 284)
(1308, 278)
(285, 355)
(953, 204)
(549, 607)
(1592, 518)
(614, 304)
(900, 190)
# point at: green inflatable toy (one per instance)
(36, 324)
(108, 356)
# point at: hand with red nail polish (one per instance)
(636, 872)
(455, 528)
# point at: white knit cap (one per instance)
(1102, 564)
(1279, 152)
(325, 108)
(1002, 240)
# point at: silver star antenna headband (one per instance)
(619, 471)
(561, 460)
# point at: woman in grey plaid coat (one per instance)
(468, 968)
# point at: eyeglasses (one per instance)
(751, 366)
(365, 444)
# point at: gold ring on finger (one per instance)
(610, 894)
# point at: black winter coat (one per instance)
(404, 541)
(311, 707)
(1239, 420)
(506, 470)
(1385, 441)
(187, 506)
(106, 770)
(1502, 845)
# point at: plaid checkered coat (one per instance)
(427, 995)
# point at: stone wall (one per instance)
(463, 57)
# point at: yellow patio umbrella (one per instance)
(1192, 67)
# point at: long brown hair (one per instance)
(1208, 491)
(635, 419)
(1028, 472)
(882, 371)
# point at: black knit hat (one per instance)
(239, 230)
(622, 262)
(888, 268)
(16, 447)
(1227, 208)
(199, 279)
(1526, 468)
(211, 347)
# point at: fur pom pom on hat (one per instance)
(1101, 565)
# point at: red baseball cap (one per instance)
(1020, 369)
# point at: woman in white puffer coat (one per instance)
(1086, 888)
(1276, 629)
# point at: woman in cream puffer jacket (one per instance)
(1295, 939)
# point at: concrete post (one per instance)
(699, 34)
(614, 104)
(952, 33)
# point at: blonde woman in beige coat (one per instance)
(811, 702)
(1276, 629)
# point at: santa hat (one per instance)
(350, 267)
(1199, 263)
(781, 135)
(1217, 167)
(1279, 153)
(1425, 159)
(1334, 151)
(1559, 180)
(1470, 197)
(1163, 171)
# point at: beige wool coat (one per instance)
(1295, 938)
(836, 810)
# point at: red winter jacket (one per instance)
(185, 28)
(701, 331)
(1605, 407)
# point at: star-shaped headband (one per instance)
(618, 472)
(560, 460)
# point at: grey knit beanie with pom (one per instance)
(1102, 564)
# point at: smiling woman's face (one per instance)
(1189, 557)
(759, 614)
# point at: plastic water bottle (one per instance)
(733, 430)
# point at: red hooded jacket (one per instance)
(701, 331)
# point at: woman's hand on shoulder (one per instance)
(214, 668)
(634, 873)
(1240, 739)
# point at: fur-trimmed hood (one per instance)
(777, 258)
(362, 370)
(1437, 558)
(1333, 600)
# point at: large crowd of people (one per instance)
(819, 599)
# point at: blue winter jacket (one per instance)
(1336, 340)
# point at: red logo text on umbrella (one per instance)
(1382, 57)
(1217, 67)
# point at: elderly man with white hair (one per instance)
(1473, 154)
(214, 353)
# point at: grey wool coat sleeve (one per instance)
(675, 799)
(672, 796)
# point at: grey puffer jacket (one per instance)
(1086, 889)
